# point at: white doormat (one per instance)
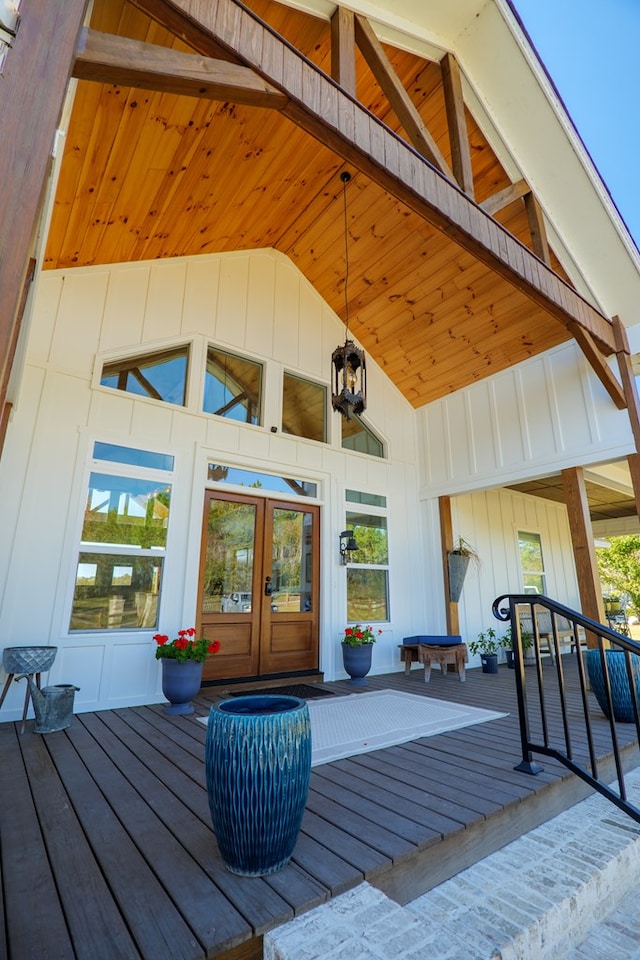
(361, 722)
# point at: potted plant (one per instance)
(506, 642)
(458, 561)
(487, 646)
(182, 661)
(357, 644)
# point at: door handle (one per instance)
(268, 587)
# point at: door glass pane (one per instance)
(116, 592)
(367, 595)
(292, 561)
(228, 573)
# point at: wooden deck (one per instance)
(107, 850)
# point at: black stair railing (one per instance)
(542, 688)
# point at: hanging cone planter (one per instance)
(458, 564)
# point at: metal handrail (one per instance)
(513, 607)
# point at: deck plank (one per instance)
(126, 789)
(96, 926)
(26, 873)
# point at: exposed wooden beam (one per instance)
(33, 86)
(501, 199)
(446, 544)
(457, 123)
(623, 353)
(106, 58)
(318, 106)
(583, 546)
(343, 49)
(403, 106)
(537, 228)
(599, 364)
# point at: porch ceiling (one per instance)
(605, 503)
(148, 175)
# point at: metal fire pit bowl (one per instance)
(28, 659)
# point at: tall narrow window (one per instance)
(232, 387)
(122, 547)
(368, 571)
(161, 376)
(304, 408)
(531, 563)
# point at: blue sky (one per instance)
(591, 49)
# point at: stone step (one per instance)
(554, 892)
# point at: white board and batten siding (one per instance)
(257, 304)
(535, 419)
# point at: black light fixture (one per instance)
(349, 394)
(347, 546)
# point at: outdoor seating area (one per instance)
(114, 814)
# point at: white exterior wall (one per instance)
(490, 520)
(533, 419)
(257, 304)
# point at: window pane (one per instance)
(130, 455)
(232, 387)
(292, 559)
(162, 376)
(228, 571)
(370, 533)
(263, 481)
(115, 592)
(531, 562)
(125, 511)
(359, 437)
(369, 499)
(367, 595)
(304, 408)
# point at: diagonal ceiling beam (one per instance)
(401, 103)
(110, 59)
(323, 110)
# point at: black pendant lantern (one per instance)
(349, 394)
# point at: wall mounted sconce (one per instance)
(347, 546)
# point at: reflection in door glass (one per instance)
(292, 564)
(228, 571)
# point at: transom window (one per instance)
(161, 376)
(232, 387)
(357, 436)
(304, 408)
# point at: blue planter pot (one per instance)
(489, 662)
(620, 692)
(180, 684)
(258, 765)
(357, 662)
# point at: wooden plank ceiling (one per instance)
(149, 174)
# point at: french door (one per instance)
(259, 585)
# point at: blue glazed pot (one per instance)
(357, 662)
(258, 765)
(620, 691)
(180, 684)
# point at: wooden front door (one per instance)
(259, 585)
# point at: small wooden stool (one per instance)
(455, 654)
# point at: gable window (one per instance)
(368, 570)
(357, 436)
(232, 387)
(531, 562)
(161, 376)
(122, 545)
(304, 408)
